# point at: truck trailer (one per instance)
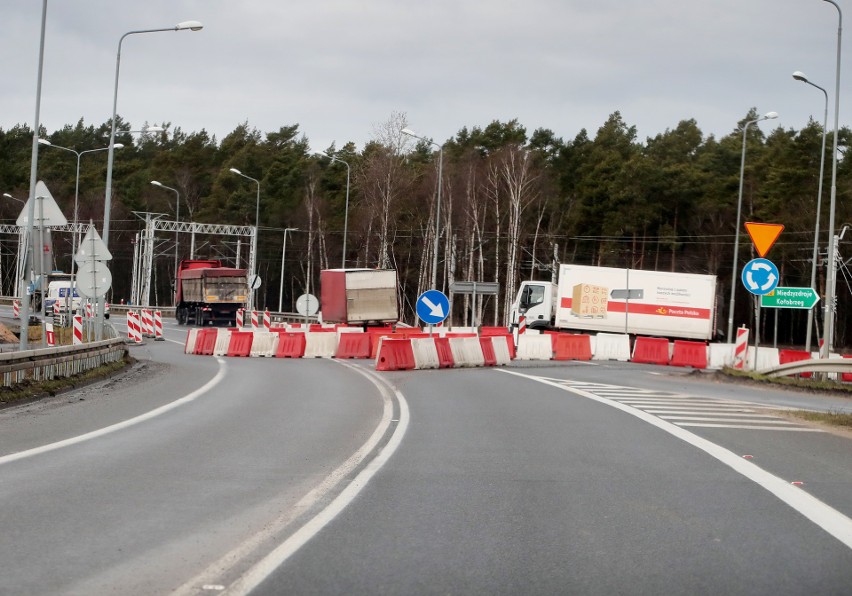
(359, 296)
(615, 300)
(208, 293)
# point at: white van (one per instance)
(58, 291)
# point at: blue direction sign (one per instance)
(760, 276)
(433, 307)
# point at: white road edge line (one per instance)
(124, 424)
(823, 515)
(266, 566)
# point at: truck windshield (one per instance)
(532, 296)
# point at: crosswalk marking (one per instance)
(689, 410)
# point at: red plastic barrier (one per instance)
(240, 344)
(488, 351)
(445, 354)
(395, 354)
(653, 350)
(571, 346)
(353, 345)
(205, 342)
(846, 377)
(290, 345)
(785, 356)
(689, 353)
(491, 331)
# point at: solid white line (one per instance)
(659, 411)
(124, 424)
(286, 549)
(823, 515)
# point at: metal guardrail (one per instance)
(822, 365)
(64, 361)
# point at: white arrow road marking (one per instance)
(436, 310)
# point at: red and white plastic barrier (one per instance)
(78, 330)
(267, 320)
(134, 330)
(240, 320)
(741, 348)
(16, 309)
(254, 321)
(146, 325)
(89, 311)
(158, 326)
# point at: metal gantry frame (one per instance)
(144, 253)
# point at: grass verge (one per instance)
(800, 384)
(831, 418)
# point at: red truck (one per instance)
(207, 293)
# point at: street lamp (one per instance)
(177, 218)
(832, 266)
(767, 116)
(79, 154)
(410, 133)
(8, 196)
(346, 211)
(253, 264)
(184, 26)
(283, 257)
(800, 76)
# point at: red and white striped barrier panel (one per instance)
(158, 326)
(254, 322)
(56, 308)
(741, 348)
(16, 309)
(51, 338)
(267, 320)
(89, 310)
(147, 323)
(78, 330)
(240, 321)
(134, 332)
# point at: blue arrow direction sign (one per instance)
(760, 276)
(433, 307)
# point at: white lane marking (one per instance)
(823, 515)
(677, 419)
(797, 429)
(266, 566)
(687, 410)
(124, 424)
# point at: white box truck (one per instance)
(615, 300)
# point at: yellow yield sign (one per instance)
(763, 235)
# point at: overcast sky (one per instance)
(340, 68)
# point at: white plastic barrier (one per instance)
(425, 353)
(501, 351)
(321, 344)
(766, 358)
(720, 356)
(612, 346)
(467, 351)
(532, 346)
(264, 344)
(223, 341)
(191, 337)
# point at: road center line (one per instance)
(823, 515)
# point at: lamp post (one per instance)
(79, 154)
(253, 258)
(800, 76)
(25, 303)
(410, 133)
(346, 209)
(767, 116)
(184, 26)
(177, 217)
(283, 257)
(832, 266)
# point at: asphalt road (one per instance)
(270, 476)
